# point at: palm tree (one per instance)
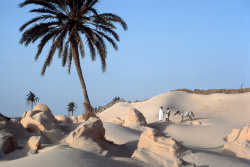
(31, 99)
(71, 108)
(64, 22)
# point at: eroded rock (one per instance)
(134, 118)
(43, 123)
(33, 144)
(74, 119)
(238, 143)
(63, 119)
(81, 118)
(158, 150)
(7, 142)
(89, 136)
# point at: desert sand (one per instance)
(210, 139)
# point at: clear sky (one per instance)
(170, 44)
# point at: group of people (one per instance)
(161, 114)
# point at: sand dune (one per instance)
(215, 117)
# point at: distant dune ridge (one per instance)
(129, 134)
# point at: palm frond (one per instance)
(52, 51)
(45, 39)
(44, 10)
(43, 17)
(38, 2)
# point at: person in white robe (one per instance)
(161, 114)
(167, 114)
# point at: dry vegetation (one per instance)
(215, 91)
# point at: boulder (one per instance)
(158, 150)
(238, 143)
(134, 118)
(16, 120)
(42, 108)
(118, 121)
(81, 118)
(43, 123)
(7, 142)
(33, 144)
(88, 136)
(63, 119)
(15, 128)
(74, 119)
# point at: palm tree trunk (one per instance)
(31, 106)
(86, 104)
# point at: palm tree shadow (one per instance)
(124, 150)
(160, 126)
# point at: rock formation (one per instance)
(7, 142)
(81, 118)
(238, 143)
(42, 108)
(88, 136)
(42, 122)
(134, 118)
(33, 144)
(74, 119)
(158, 150)
(63, 119)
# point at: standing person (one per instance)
(167, 114)
(161, 117)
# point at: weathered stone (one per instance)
(41, 107)
(134, 118)
(74, 119)
(157, 149)
(81, 118)
(33, 144)
(16, 120)
(43, 122)
(89, 136)
(7, 142)
(63, 119)
(238, 143)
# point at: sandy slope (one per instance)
(63, 156)
(216, 115)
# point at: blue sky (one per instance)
(170, 44)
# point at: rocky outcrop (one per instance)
(81, 118)
(42, 122)
(63, 119)
(238, 143)
(74, 119)
(7, 142)
(158, 150)
(16, 120)
(42, 108)
(134, 118)
(88, 136)
(14, 127)
(33, 144)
